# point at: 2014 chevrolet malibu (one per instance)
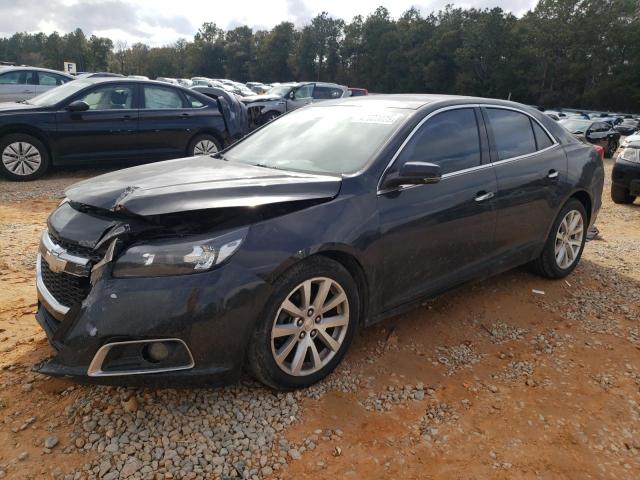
(270, 254)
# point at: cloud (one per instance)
(298, 12)
(90, 16)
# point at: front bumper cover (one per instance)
(211, 313)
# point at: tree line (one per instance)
(573, 53)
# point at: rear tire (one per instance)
(23, 157)
(563, 237)
(204, 144)
(300, 337)
(621, 195)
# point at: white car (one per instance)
(630, 138)
(22, 83)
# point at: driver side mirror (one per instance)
(78, 106)
(413, 173)
(292, 95)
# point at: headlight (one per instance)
(631, 155)
(178, 256)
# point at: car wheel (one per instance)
(23, 157)
(563, 248)
(267, 117)
(621, 195)
(307, 326)
(204, 145)
(612, 147)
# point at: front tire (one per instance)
(267, 117)
(612, 147)
(563, 248)
(23, 157)
(621, 195)
(307, 325)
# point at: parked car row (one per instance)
(596, 132)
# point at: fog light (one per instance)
(157, 352)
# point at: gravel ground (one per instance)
(488, 381)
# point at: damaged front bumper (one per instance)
(183, 329)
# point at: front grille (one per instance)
(67, 289)
(75, 248)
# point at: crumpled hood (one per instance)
(260, 98)
(198, 183)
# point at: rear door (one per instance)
(531, 169)
(166, 125)
(107, 131)
(438, 235)
(48, 80)
(17, 85)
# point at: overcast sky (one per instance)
(160, 22)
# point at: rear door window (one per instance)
(51, 79)
(449, 139)
(17, 77)
(512, 133)
(160, 98)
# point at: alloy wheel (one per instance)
(21, 158)
(205, 147)
(569, 239)
(310, 326)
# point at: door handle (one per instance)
(185, 115)
(126, 118)
(482, 196)
(553, 173)
(27, 91)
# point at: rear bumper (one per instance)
(627, 175)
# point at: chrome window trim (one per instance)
(466, 170)
(57, 309)
(95, 367)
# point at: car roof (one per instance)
(414, 101)
(38, 69)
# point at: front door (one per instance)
(532, 180)
(438, 235)
(107, 131)
(300, 97)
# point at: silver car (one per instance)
(22, 83)
(289, 96)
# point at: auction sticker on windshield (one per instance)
(380, 118)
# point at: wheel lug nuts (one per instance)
(300, 323)
(318, 318)
(302, 334)
(314, 333)
(310, 312)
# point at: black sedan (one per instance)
(628, 126)
(598, 133)
(270, 254)
(101, 120)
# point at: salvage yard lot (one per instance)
(490, 380)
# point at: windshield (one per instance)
(280, 91)
(332, 139)
(56, 95)
(575, 125)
